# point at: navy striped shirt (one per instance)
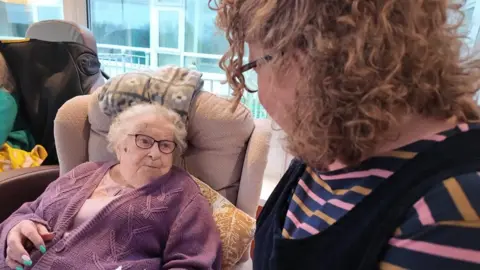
(441, 231)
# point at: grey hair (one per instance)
(122, 124)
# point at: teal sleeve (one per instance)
(8, 112)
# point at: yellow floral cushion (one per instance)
(236, 227)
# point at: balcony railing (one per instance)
(117, 60)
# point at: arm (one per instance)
(194, 241)
(441, 231)
(8, 112)
(28, 211)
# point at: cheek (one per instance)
(265, 91)
(274, 96)
(167, 160)
(133, 157)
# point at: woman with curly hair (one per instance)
(378, 108)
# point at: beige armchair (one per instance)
(226, 150)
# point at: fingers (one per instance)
(44, 233)
(29, 231)
(15, 250)
(13, 264)
(41, 229)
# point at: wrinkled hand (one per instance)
(25, 235)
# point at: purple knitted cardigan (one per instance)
(166, 224)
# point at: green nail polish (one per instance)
(43, 249)
(28, 263)
(18, 268)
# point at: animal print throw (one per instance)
(171, 86)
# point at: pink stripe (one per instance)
(360, 174)
(310, 192)
(450, 252)
(436, 137)
(303, 226)
(423, 212)
(463, 127)
(341, 204)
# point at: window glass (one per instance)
(168, 29)
(124, 23)
(168, 59)
(201, 34)
(207, 65)
(16, 18)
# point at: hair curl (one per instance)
(364, 63)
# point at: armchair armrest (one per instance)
(23, 185)
(254, 167)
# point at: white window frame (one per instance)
(76, 11)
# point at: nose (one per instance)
(155, 151)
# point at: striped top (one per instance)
(441, 231)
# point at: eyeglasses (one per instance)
(146, 142)
(254, 64)
(250, 79)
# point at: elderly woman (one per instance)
(377, 106)
(139, 213)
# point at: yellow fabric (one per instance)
(12, 158)
(236, 227)
(20, 40)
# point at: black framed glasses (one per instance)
(254, 63)
(146, 142)
(249, 79)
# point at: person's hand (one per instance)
(23, 236)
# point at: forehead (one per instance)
(154, 126)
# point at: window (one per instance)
(144, 34)
(16, 16)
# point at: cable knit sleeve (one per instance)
(194, 241)
(26, 212)
(29, 211)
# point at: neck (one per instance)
(118, 177)
(411, 129)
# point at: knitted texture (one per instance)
(166, 224)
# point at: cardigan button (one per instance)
(60, 247)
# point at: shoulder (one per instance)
(7, 100)
(183, 182)
(440, 228)
(87, 169)
(453, 200)
(191, 191)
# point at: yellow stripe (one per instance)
(389, 266)
(310, 213)
(14, 40)
(318, 180)
(467, 224)
(358, 189)
(285, 234)
(460, 199)
(401, 154)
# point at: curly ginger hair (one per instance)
(364, 64)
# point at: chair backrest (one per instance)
(62, 68)
(65, 31)
(217, 139)
(62, 31)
